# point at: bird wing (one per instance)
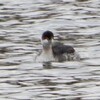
(59, 48)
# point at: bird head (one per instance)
(47, 38)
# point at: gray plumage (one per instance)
(62, 52)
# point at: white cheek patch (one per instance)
(44, 41)
(46, 44)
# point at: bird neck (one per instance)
(48, 51)
(48, 54)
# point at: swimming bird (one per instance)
(55, 51)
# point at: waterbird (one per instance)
(55, 51)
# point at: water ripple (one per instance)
(74, 22)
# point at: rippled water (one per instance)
(74, 22)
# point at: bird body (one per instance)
(55, 51)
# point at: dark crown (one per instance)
(47, 35)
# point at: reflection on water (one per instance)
(74, 22)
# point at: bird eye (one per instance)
(45, 37)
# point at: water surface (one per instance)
(74, 22)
